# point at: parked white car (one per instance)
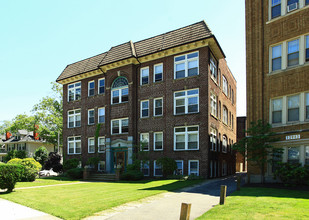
(47, 173)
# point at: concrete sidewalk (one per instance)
(167, 206)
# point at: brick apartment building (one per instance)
(277, 41)
(171, 95)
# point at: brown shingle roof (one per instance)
(141, 48)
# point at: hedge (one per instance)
(32, 167)
(9, 175)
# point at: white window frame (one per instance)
(141, 76)
(73, 89)
(179, 161)
(277, 57)
(213, 139)
(147, 163)
(298, 44)
(186, 133)
(120, 120)
(154, 141)
(74, 142)
(89, 145)
(186, 98)
(104, 145)
(225, 115)
(154, 106)
(101, 115)
(189, 167)
(154, 72)
(142, 142)
(89, 110)
(74, 115)
(99, 81)
(225, 85)
(224, 144)
(213, 104)
(299, 106)
(213, 66)
(186, 61)
(154, 168)
(89, 83)
(148, 109)
(272, 111)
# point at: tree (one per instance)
(53, 162)
(21, 154)
(20, 122)
(41, 155)
(257, 145)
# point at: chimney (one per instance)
(35, 134)
(8, 135)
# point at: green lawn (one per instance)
(45, 181)
(262, 203)
(81, 200)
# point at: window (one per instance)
(91, 146)
(158, 72)
(91, 88)
(219, 77)
(292, 5)
(307, 105)
(224, 85)
(307, 48)
(186, 138)
(144, 141)
(213, 104)
(276, 58)
(74, 91)
(230, 91)
(233, 97)
(21, 146)
(293, 52)
(213, 139)
(145, 167)
(101, 86)
(74, 145)
(158, 107)
(74, 118)
(186, 65)
(293, 108)
(277, 111)
(145, 76)
(158, 140)
(307, 155)
(219, 110)
(219, 142)
(179, 170)
(91, 117)
(225, 115)
(275, 8)
(101, 115)
(232, 121)
(230, 117)
(210, 168)
(224, 144)
(157, 169)
(224, 168)
(193, 167)
(186, 101)
(213, 67)
(145, 109)
(101, 166)
(293, 155)
(120, 126)
(101, 144)
(120, 90)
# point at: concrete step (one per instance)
(102, 177)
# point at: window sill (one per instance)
(91, 124)
(120, 133)
(115, 104)
(158, 116)
(187, 77)
(186, 150)
(73, 101)
(287, 69)
(290, 124)
(75, 154)
(192, 113)
(91, 152)
(158, 150)
(144, 117)
(101, 152)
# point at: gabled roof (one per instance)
(184, 35)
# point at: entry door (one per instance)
(120, 160)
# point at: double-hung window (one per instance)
(120, 90)
(158, 140)
(74, 118)
(293, 52)
(101, 115)
(158, 72)
(307, 105)
(120, 126)
(91, 88)
(186, 138)
(213, 67)
(91, 146)
(213, 139)
(213, 104)
(157, 168)
(90, 116)
(276, 58)
(193, 167)
(225, 115)
(186, 65)
(275, 8)
(74, 91)
(158, 107)
(145, 167)
(293, 108)
(145, 109)
(293, 155)
(101, 144)
(224, 85)
(307, 47)
(224, 144)
(277, 110)
(145, 76)
(292, 5)
(101, 86)
(186, 101)
(144, 141)
(179, 170)
(74, 145)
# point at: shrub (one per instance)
(15, 154)
(132, 175)
(41, 155)
(9, 175)
(168, 166)
(76, 173)
(31, 168)
(292, 174)
(53, 162)
(70, 164)
(93, 161)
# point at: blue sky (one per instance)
(39, 38)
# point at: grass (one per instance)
(45, 181)
(81, 200)
(262, 203)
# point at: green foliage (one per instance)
(136, 166)
(76, 173)
(20, 122)
(292, 174)
(41, 155)
(132, 175)
(53, 162)
(9, 175)
(93, 161)
(70, 164)
(21, 154)
(168, 166)
(31, 168)
(257, 145)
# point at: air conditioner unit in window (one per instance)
(292, 7)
